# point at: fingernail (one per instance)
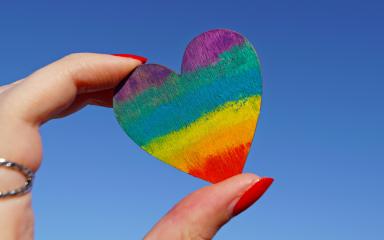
(141, 59)
(252, 195)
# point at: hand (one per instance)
(66, 86)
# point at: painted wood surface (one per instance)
(203, 120)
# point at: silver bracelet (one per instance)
(26, 172)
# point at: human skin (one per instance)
(66, 86)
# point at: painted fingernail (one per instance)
(141, 59)
(252, 195)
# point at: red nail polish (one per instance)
(252, 195)
(141, 59)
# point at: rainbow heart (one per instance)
(203, 120)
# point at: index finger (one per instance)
(54, 87)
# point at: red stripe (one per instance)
(224, 165)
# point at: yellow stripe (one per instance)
(228, 126)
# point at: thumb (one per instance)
(201, 214)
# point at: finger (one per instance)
(8, 86)
(101, 98)
(5, 87)
(201, 214)
(52, 89)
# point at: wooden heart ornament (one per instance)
(201, 121)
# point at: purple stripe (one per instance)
(143, 77)
(204, 50)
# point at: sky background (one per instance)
(320, 133)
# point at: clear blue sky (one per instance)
(320, 133)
